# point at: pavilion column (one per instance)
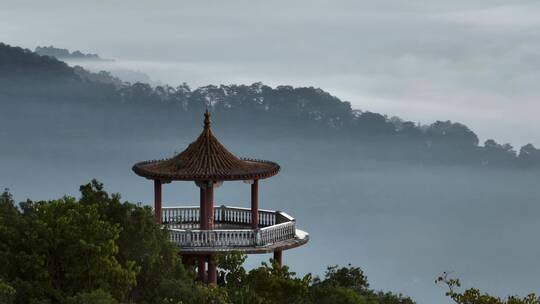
(209, 196)
(158, 214)
(202, 208)
(278, 257)
(212, 271)
(255, 204)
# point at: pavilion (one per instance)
(202, 231)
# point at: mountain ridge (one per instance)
(284, 110)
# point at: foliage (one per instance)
(94, 247)
(7, 293)
(266, 284)
(231, 271)
(161, 274)
(327, 294)
(274, 284)
(94, 297)
(475, 296)
(350, 285)
(58, 248)
(347, 277)
(98, 249)
(270, 283)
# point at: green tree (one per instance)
(270, 284)
(350, 285)
(161, 273)
(266, 284)
(67, 248)
(475, 296)
(347, 277)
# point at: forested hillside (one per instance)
(27, 78)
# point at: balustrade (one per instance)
(183, 223)
(188, 217)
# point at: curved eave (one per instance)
(142, 170)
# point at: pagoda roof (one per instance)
(206, 159)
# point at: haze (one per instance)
(471, 61)
(458, 207)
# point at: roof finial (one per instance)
(207, 119)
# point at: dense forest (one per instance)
(97, 249)
(282, 111)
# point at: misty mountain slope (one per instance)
(74, 102)
(104, 70)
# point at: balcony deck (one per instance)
(232, 230)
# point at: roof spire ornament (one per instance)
(207, 119)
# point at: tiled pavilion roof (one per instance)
(206, 159)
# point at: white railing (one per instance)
(276, 233)
(181, 217)
(188, 217)
(183, 223)
(213, 238)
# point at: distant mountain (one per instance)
(19, 63)
(105, 70)
(281, 112)
(63, 54)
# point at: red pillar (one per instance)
(209, 206)
(202, 208)
(207, 223)
(157, 202)
(209, 196)
(212, 271)
(278, 257)
(201, 269)
(255, 204)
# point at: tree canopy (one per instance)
(98, 249)
(475, 296)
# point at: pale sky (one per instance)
(476, 62)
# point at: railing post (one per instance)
(278, 217)
(258, 239)
(223, 212)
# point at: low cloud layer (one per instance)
(472, 61)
